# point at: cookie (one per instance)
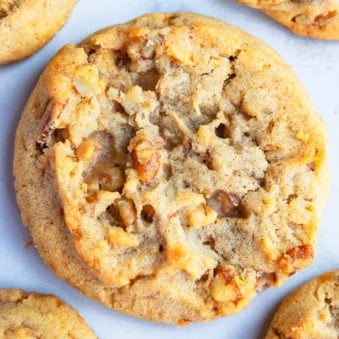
(310, 312)
(33, 315)
(27, 25)
(311, 18)
(174, 165)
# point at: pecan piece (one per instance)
(86, 149)
(296, 258)
(325, 18)
(145, 154)
(127, 211)
(120, 238)
(202, 215)
(227, 205)
(48, 123)
(224, 287)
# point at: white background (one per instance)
(317, 65)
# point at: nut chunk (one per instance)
(145, 154)
(203, 215)
(296, 258)
(117, 236)
(127, 211)
(224, 287)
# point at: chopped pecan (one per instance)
(145, 154)
(48, 123)
(202, 215)
(301, 252)
(224, 287)
(117, 236)
(147, 170)
(127, 211)
(325, 18)
(296, 258)
(227, 205)
(86, 149)
(265, 280)
(107, 178)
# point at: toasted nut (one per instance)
(325, 18)
(224, 287)
(178, 46)
(86, 80)
(145, 155)
(49, 122)
(111, 179)
(186, 259)
(201, 216)
(149, 169)
(227, 205)
(301, 252)
(101, 200)
(127, 211)
(296, 258)
(86, 149)
(222, 292)
(265, 280)
(117, 236)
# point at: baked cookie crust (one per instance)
(171, 167)
(27, 25)
(310, 18)
(310, 312)
(33, 315)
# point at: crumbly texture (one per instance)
(311, 18)
(311, 312)
(32, 315)
(174, 165)
(27, 25)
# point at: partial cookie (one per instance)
(32, 315)
(174, 165)
(312, 18)
(27, 25)
(311, 312)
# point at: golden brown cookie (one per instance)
(174, 165)
(312, 18)
(27, 25)
(310, 312)
(33, 315)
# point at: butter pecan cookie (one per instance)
(312, 18)
(27, 25)
(171, 167)
(311, 312)
(32, 315)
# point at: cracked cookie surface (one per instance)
(27, 25)
(311, 18)
(310, 312)
(174, 165)
(33, 315)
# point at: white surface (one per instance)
(317, 64)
